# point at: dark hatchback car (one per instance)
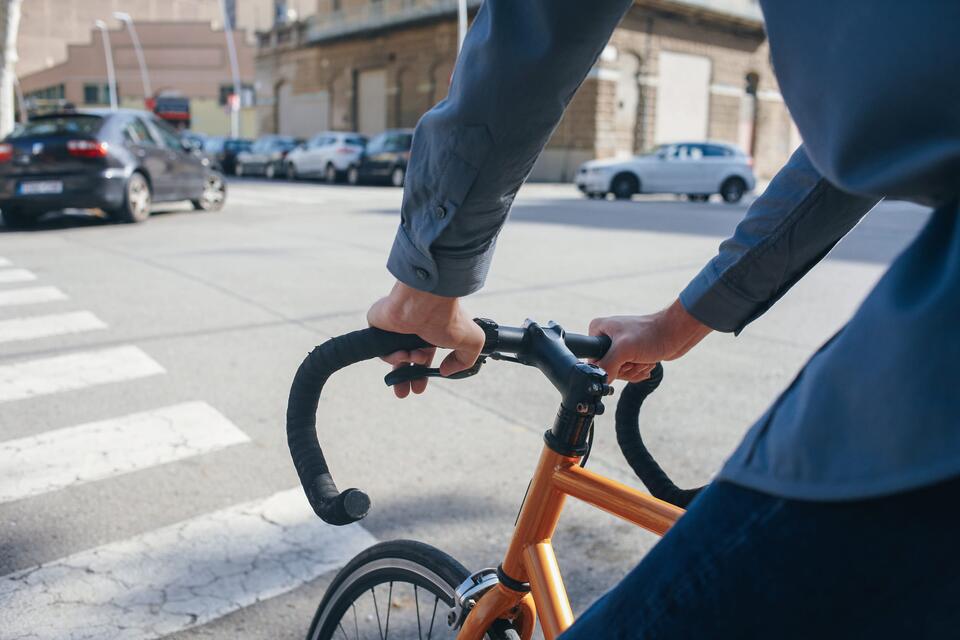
(266, 156)
(118, 161)
(226, 150)
(384, 160)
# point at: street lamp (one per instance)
(108, 54)
(127, 20)
(234, 68)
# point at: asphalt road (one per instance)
(145, 484)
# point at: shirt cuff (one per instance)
(716, 304)
(440, 274)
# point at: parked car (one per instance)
(384, 159)
(326, 155)
(225, 151)
(266, 156)
(697, 169)
(118, 161)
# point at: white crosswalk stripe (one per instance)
(74, 371)
(16, 275)
(97, 450)
(30, 295)
(179, 576)
(56, 324)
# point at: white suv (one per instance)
(327, 155)
(697, 169)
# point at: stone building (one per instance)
(673, 70)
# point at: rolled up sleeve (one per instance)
(520, 65)
(786, 231)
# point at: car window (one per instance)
(138, 133)
(398, 142)
(377, 144)
(695, 152)
(716, 151)
(73, 124)
(357, 141)
(169, 137)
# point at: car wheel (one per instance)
(732, 190)
(14, 218)
(291, 171)
(238, 170)
(270, 171)
(330, 173)
(136, 200)
(397, 176)
(697, 197)
(214, 194)
(353, 176)
(624, 186)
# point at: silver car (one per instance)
(326, 155)
(696, 169)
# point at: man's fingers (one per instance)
(417, 356)
(638, 373)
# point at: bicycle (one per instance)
(505, 602)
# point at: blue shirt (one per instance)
(874, 89)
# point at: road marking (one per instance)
(87, 452)
(55, 324)
(74, 371)
(31, 295)
(180, 576)
(16, 275)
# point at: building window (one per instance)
(96, 93)
(56, 92)
(246, 94)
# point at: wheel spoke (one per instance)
(436, 601)
(416, 601)
(356, 624)
(340, 626)
(389, 606)
(377, 609)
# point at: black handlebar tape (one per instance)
(636, 453)
(587, 346)
(331, 505)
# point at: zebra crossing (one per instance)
(157, 582)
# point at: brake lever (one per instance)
(418, 371)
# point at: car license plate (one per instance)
(41, 187)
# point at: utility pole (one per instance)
(144, 76)
(461, 23)
(235, 69)
(9, 25)
(108, 54)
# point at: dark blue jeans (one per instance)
(743, 564)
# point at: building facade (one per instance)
(184, 59)
(673, 70)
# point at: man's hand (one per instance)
(640, 342)
(439, 320)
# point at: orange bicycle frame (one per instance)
(530, 557)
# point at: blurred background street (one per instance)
(144, 475)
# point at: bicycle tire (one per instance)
(435, 574)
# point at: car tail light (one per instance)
(750, 161)
(87, 148)
(6, 152)
(346, 150)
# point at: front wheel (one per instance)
(732, 190)
(400, 589)
(214, 194)
(624, 186)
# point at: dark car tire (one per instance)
(353, 175)
(698, 197)
(14, 218)
(397, 176)
(214, 194)
(624, 186)
(330, 173)
(137, 197)
(732, 190)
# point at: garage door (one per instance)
(683, 97)
(372, 101)
(301, 114)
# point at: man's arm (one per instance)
(785, 232)
(520, 65)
